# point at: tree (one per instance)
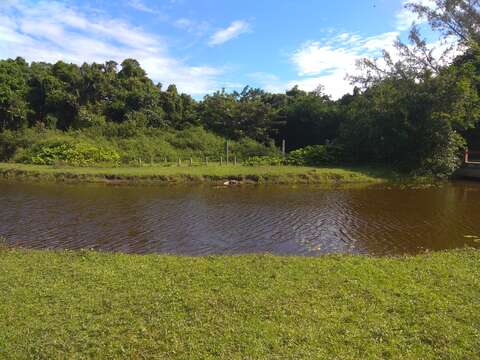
(458, 18)
(308, 119)
(13, 89)
(414, 107)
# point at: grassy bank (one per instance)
(195, 174)
(94, 305)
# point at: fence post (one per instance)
(283, 148)
(226, 150)
(206, 160)
(179, 162)
(191, 161)
(466, 156)
(221, 160)
(235, 160)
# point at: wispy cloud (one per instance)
(51, 31)
(405, 18)
(140, 5)
(234, 30)
(198, 28)
(339, 53)
(329, 61)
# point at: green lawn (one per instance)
(95, 305)
(199, 173)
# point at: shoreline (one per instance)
(212, 174)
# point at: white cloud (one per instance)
(335, 84)
(51, 31)
(197, 28)
(377, 43)
(183, 23)
(139, 5)
(405, 18)
(328, 62)
(269, 82)
(235, 29)
(340, 52)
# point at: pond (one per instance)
(201, 220)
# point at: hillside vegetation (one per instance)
(410, 110)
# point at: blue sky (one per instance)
(206, 45)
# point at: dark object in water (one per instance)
(231, 182)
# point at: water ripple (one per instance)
(205, 220)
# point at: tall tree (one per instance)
(13, 90)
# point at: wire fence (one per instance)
(227, 159)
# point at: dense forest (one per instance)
(412, 110)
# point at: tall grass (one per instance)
(132, 145)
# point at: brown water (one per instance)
(210, 220)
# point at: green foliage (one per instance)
(409, 111)
(86, 119)
(13, 91)
(308, 119)
(264, 161)
(239, 115)
(124, 143)
(411, 122)
(75, 154)
(309, 156)
(246, 147)
(443, 159)
(213, 173)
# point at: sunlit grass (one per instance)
(96, 305)
(198, 173)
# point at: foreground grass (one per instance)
(182, 174)
(94, 305)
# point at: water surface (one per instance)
(210, 220)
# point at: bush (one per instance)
(443, 158)
(246, 148)
(264, 161)
(309, 156)
(124, 143)
(76, 154)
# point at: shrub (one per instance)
(124, 143)
(443, 159)
(264, 161)
(87, 119)
(309, 155)
(75, 154)
(246, 148)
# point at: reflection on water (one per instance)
(210, 220)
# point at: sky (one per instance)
(206, 45)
